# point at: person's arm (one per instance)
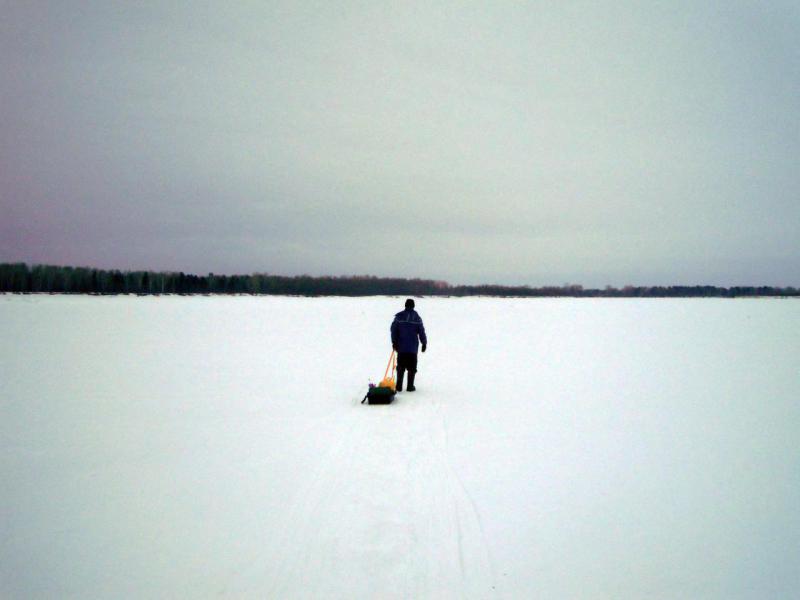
(393, 331)
(422, 337)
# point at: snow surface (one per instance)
(189, 447)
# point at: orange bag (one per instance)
(388, 377)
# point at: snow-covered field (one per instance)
(190, 447)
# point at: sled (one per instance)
(385, 391)
(379, 395)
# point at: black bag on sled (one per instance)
(379, 395)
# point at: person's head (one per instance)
(409, 303)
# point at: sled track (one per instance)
(385, 514)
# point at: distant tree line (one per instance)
(20, 278)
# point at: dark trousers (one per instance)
(406, 361)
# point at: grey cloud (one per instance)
(538, 143)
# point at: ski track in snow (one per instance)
(417, 530)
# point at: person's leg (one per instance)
(412, 371)
(402, 366)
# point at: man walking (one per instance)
(407, 331)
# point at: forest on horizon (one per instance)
(53, 279)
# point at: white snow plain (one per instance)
(191, 447)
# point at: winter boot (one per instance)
(400, 374)
(411, 375)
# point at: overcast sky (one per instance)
(525, 143)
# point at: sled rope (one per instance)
(392, 364)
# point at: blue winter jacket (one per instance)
(407, 331)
